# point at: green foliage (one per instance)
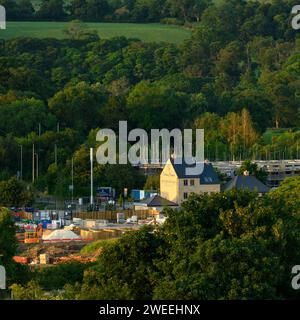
(104, 10)
(95, 246)
(89, 11)
(152, 105)
(227, 251)
(148, 32)
(14, 193)
(56, 277)
(18, 10)
(152, 182)
(225, 269)
(34, 111)
(8, 247)
(124, 270)
(231, 245)
(78, 106)
(51, 10)
(8, 241)
(46, 283)
(253, 170)
(79, 31)
(284, 145)
(31, 291)
(289, 190)
(236, 76)
(120, 177)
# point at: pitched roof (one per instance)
(158, 201)
(208, 176)
(245, 182)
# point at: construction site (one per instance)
(51, 242)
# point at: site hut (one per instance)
(245, 181)
(155, 204)
(139, 195)
(105, 195)
(176, 185)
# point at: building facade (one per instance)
(176, 186)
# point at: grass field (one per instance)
(95, 246)
(153, 32)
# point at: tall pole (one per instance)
(33, 166)
(55, 154)
(55, 146)
(37, 165)
(39, 150)
(72, 174)
(21, 167)
(92, 182)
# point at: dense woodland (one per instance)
(167, 11)
(237, 75)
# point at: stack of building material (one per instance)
(89, 224)
(44, 259)
(61, 235)
(100, 234)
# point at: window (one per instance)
(192, 182)
(185, 182)
(185, 195)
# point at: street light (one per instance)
(72, 176)
(37, 165)
(33, 159)
(92, 183)
(21, 159)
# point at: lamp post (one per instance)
(55, 154)
(37, 165)
(55, 146)
(72, 174)
(92, 177)
(33, 160)
(21, 161)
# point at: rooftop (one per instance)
(245, 182)
(208, 175)
(158, 201)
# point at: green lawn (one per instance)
(93, 247)
(153, 32)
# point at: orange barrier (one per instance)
(22, 260)
(32, 240)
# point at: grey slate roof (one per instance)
(158, 201)
(245, 182)
(208, 176)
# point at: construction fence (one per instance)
(112, 215)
